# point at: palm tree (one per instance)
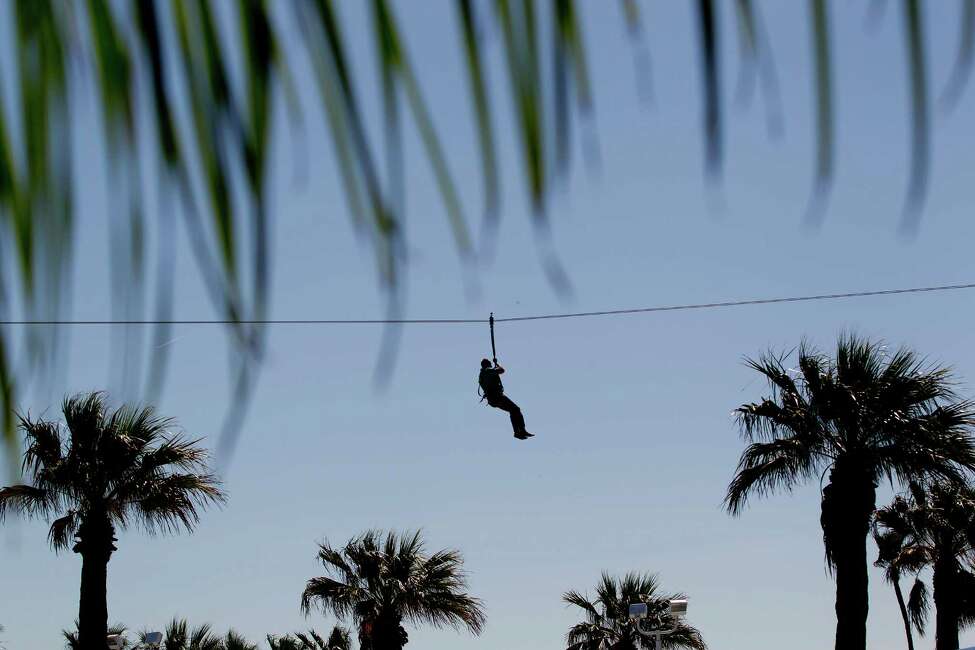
(72, 642)
(383, 581)
(235, 641)
(102, 471)
(339, 639)
(179, 636)
(937, 523)
(864, 416)
(286, 642)
(607, 623)
(890, 536)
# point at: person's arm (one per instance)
(497, 366)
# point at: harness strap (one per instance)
(494, 353)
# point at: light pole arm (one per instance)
(657, 633)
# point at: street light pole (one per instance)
(639, 614)
(658, 634)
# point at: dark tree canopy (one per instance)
(381, 581)
(607, 624)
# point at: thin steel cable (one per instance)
(509, 319)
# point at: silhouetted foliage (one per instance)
(607, 623)
(381, 581)
(104, 470)
(936, 525)
(339, 639)
(865, 415)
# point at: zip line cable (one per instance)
(510, 319)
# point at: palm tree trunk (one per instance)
(848, 503)
(907, 619)
(96, 549)
(387, 633)
(946, 602)
(93, 607)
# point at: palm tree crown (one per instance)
(123, 466)
(179, 636)
(890, 414)
(607, 623)
(339, 639)
(105, 470)
(381, 581)
(864, 416)
(936, 527)
(891, 533)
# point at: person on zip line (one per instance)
(492, 390)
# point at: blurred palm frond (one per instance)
(187, 92)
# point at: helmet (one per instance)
(485, 363)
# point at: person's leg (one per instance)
(517, 419)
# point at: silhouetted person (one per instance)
(490, 381)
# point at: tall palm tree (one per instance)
(101, 471)
(862, 416)
(607, 623)
(890, 532)
(383, 581)
(937, 522)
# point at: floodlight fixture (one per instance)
(640, 614)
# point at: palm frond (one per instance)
(286, 642)
(707, 17)
(389, 577)
(919, 605)
(825, 145)
(171, 502)
(482, 111)
(332, 596)
(25, 499)
(71, 638)
(202, 638)
(338, 639)
(607, 623)
(43, 445)
(685, 636)
(176, 634)
(235, 641)
(767, 467)
(582, 602)
(62, 531)
(964, 59)
(226, 82)
(921, 129)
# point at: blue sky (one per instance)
(635, 440)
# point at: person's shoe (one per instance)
(524, 435)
